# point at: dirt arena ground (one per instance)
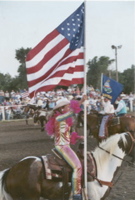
(18, 140)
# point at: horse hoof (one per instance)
(35, 124)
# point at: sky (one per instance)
(26, 23)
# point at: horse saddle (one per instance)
(112, 120)
(56, 167)
(115, 121)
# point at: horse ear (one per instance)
(125, 145)
(121, 144)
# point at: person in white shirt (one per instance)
(39, 103)
(92, 103)
(121, 108)
(108, 111)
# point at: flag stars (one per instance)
(72, 29)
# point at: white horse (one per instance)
(108, 157)
(26, 181)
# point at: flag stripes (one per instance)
(24, 94)
(52, 62)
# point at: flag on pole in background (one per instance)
(111, 88)
(24, 93)
(59, 58)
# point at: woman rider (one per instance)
(63, 111)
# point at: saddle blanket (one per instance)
(54, 167)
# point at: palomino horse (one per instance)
(46, 177)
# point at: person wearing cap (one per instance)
(63, 111)
(108, 111)
(121, 108)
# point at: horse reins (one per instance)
(101, 182)
(133, 141)
(110, 184)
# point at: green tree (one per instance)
(21, 57)
(2, 81)
(5, 81)
(127, 79)
(21, 54)
(96, 67)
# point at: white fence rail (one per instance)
(131, 108)
(3, 110)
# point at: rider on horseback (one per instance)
(62, 114)
(121, 108)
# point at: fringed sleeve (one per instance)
(74, 137)
(75, 106)
(49, 127)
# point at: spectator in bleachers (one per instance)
(2, 93)
(39, 102)
(7, 109)
(7, 94)
(92, 102)
(98, 104)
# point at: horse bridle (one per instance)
(110, 184)
(133, 142)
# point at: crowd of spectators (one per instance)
(14, 101)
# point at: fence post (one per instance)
(3, 112)
(131, 105)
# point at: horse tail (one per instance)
(3, 194)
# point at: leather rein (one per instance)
(133, 142)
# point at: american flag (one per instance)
(24, 94)
(59, 58)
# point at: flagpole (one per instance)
(85, 108)
(101, 82)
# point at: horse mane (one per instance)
(3, 175)
(111, 145)
(113, 140)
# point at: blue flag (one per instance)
(111, 88)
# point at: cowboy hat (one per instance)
(122, 95)
(61, 102)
